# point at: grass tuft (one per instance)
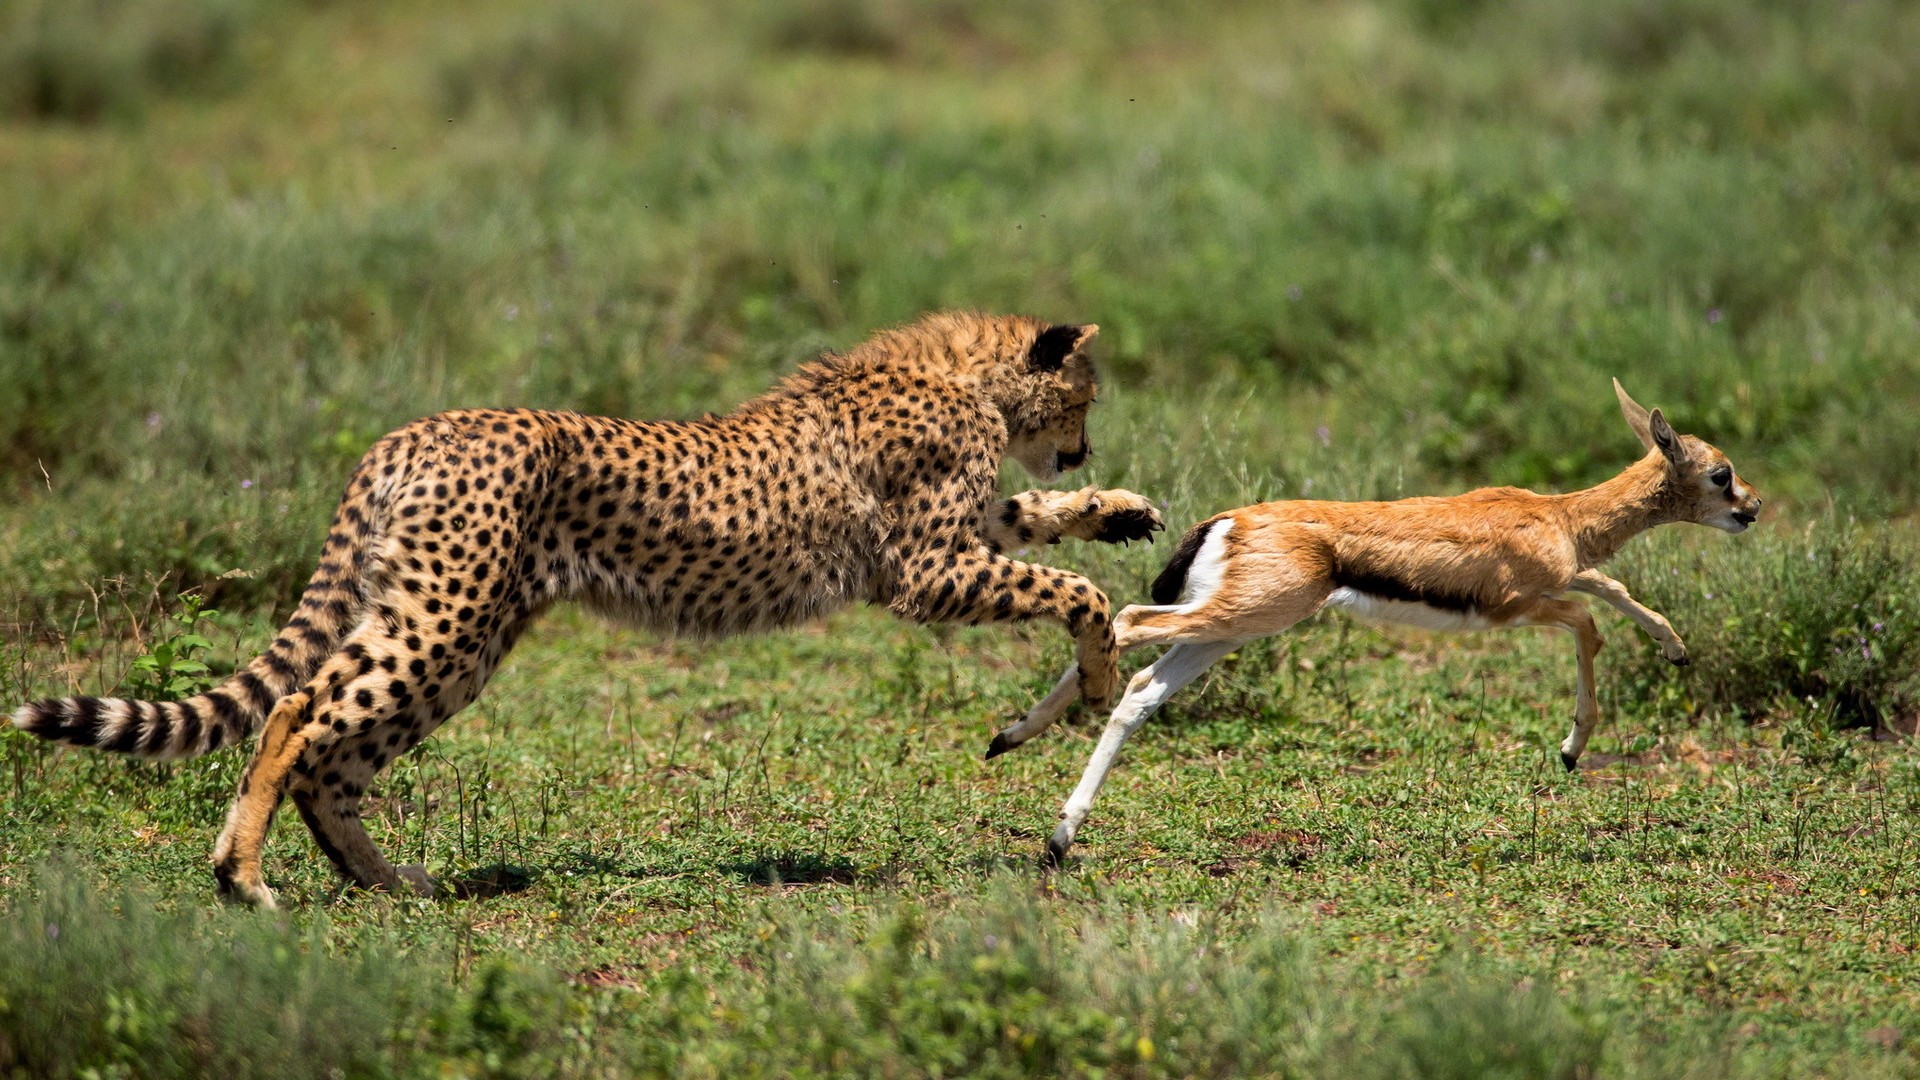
(1784, 619)
(101, 980)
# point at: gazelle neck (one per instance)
(1604, 517)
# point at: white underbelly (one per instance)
(1379, 609)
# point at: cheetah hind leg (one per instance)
(236, 857)
(332, 815)
(338, 768)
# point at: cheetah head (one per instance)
(1045, 404)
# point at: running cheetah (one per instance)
(867, 476)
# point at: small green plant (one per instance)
(173, 668)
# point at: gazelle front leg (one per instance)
(1147, 691)
(1065, 692)
(1586, 708)
(975, 588)
(1656, 626)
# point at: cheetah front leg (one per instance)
(975, 587)
(1065, 692)
(1045, 517)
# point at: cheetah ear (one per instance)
(1056, 343)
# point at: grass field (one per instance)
(1337, 248)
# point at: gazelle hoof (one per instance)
(1000, 745)
(1570, 761)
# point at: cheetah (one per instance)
(863, 476)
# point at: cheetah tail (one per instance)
(329, 608)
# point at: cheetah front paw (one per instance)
(1675, 653)
(1117, 516)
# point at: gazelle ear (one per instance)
(1637, 417)
(1663, 436)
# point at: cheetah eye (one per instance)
(1721, 476)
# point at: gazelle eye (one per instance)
(1721, 476)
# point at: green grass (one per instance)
(1338, 248)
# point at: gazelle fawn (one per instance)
(1493, 558)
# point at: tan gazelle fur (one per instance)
(1492, 558)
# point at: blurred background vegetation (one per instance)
(242, 240)
(1382, 248)
(1342, 248)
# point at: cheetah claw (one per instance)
(1132, 523)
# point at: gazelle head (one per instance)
(1705, 488)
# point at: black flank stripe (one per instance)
(1392, 588)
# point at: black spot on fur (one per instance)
(1053, 346)
(1167, 587)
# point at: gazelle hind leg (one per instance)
(1147, 691)
(1576, 619)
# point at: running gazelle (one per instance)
(1492, 558)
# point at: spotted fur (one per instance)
(867, 476)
